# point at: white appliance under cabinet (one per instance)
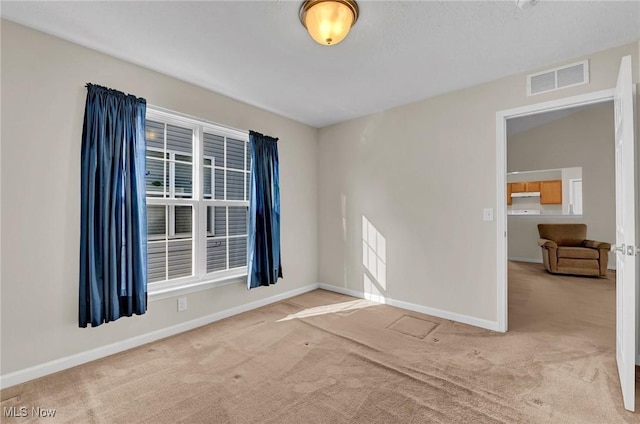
(524, 212)
(526, 194)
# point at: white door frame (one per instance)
(572, 194)
(501, 182)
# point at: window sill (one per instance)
(166, 292)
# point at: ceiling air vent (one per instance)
(554, 79)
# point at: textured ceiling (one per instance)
(398, 52)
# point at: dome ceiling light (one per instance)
(328, 21)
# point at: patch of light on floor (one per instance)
(330, 309)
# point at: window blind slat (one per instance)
(183, 221)
(180, 258)
(219, 186)
(183, 182)
(156, 261)
(214, 147)
(220, 221)
(156, 219)
(216, 255)
(235, 185)
(235, 154)
(207, 182)
(179, 139)
(154, 177)
(247, 186)
(237, 252)
(154, 134)
(237, 220)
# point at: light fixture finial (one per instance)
(328, 21)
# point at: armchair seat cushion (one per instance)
(577, 253)
(578, 263)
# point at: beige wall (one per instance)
(43, 97)
(422, 174)
(584, 139)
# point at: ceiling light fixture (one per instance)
(328, 21)
(526, 4)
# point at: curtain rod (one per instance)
(275, 139)
(112, 90)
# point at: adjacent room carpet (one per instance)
(327, 358)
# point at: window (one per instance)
(197, 186)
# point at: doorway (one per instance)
(562, 314)
(625, 247)
(549, 155)
(501, 209)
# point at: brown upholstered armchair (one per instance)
(565, 250)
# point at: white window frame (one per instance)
(200, 280)
(171, 160)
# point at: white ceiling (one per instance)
(398, 51)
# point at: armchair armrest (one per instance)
(596, 244)
(549, 244)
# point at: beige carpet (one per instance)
(327, 358)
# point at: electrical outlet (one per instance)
(182, 304)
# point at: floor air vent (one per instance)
(554, 79)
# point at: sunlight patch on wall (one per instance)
(374, 259)
(344, 217)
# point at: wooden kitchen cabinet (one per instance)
(521, 187)
(551, 192)
(532, 186)
(518, 187)
(525, 186)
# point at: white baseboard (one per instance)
(350, 292)
(37, 371)
(465, 319)
(610, 266)
(533, 261)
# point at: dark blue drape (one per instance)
(113, 234)
(263, 254)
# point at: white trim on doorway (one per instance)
(501, 181)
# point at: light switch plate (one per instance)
(488, 214)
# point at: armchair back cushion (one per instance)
(570, 235)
